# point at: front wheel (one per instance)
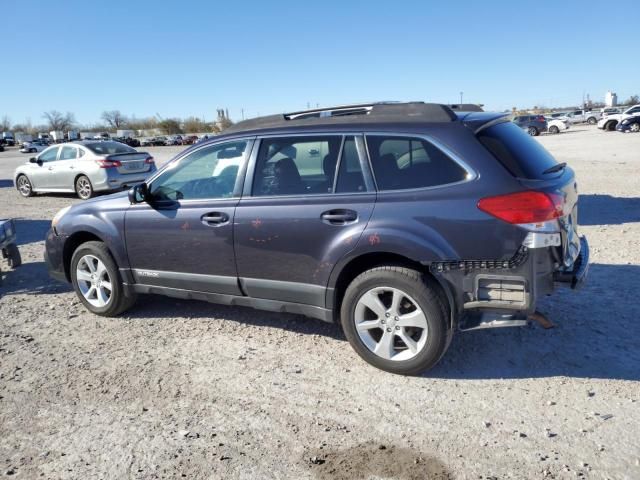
(635, 127)
(533, 131)
(96, 280)
(24, 186)
(13, 255)
(553, 129)
(395, 319)
(610, 127)
(84, 189)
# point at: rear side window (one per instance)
(523, 156)
(350, 178)
(401, 163)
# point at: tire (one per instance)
(14, 259)
(23, 184)
(610, 126)
(83, 187)
(553, 129)
(533, 131)
(92, 267)
(416, 294)
(635, 127)
(592, 120)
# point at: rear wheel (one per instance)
(84, 189)
(554, 129)
(395, 319)
(13, 255)
(96, 280)
(24, 186)
(533, 131)
(611, 126)
(592, 120)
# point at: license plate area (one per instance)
(133, 165)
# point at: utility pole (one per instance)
(242, 110)
(461, 93)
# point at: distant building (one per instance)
(611, 99)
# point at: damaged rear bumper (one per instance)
(578, 274)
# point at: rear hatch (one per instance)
(536, 169)
(129, 163)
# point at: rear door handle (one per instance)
(339, 217)
(215, 219)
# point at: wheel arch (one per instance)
(341, 279)
(72, 244)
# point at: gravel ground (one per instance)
(189, 389)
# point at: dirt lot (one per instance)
(188, 389)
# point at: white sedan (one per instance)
(557, 125)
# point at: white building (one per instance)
(611, 99)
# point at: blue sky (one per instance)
(189, 58)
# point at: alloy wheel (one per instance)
(83, 187)
(24, 186)
(391, 324)
(94, 281)
(635, 127)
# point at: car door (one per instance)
(64, 172)
(182, 237)
(41, 172)
(297, 218)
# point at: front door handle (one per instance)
(215, 219)
(339, 216)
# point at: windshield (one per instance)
(523, 156)
(109, 148)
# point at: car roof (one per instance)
(387, 116)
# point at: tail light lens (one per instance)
(149, 160)
(524, 207)
(109, 163)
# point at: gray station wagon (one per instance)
(84, 167)
(404, 222)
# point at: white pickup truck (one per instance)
(610, 122)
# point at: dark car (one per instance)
(404, 222)
(189, 139)
(132, 142)
(534, 125)
(630, 124)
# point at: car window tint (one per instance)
(68, 153)
(207, 173)
(403, 163)
(350, 178)
(49, 155)
(109, 148)
(296, 165)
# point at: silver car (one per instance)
(84, 167)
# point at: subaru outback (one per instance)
(404, 222)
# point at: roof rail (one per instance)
(408, 112)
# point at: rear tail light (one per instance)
(149, 160)
(108, 163)
(541, 118)
(524, 207)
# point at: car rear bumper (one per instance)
(578, 274)
(54, 255)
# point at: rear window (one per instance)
(109, 148)
(523, 156)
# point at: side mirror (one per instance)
(139, 193)
(33, 160)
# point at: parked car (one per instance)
(34, 146)
(557, 125)
(8, 139)
(84, 167)
(532, 124)
(610, 122)
(189, 139)
(132, 142)
(609, 111)
(405, 222)
(584, 116)
(173, 140)
(629, 124)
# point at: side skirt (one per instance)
(258, 303)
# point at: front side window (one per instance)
(68, 153)
(403, 163)
(207, 173)
(296, 165)
(49, 155)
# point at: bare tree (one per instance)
(195, 125)
(114, 118)
(58, 121)
(5, 123)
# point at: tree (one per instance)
(114, 118)
(170, 126)
(195, 125)
(5, 124)
(59, 122)
(632, 100)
